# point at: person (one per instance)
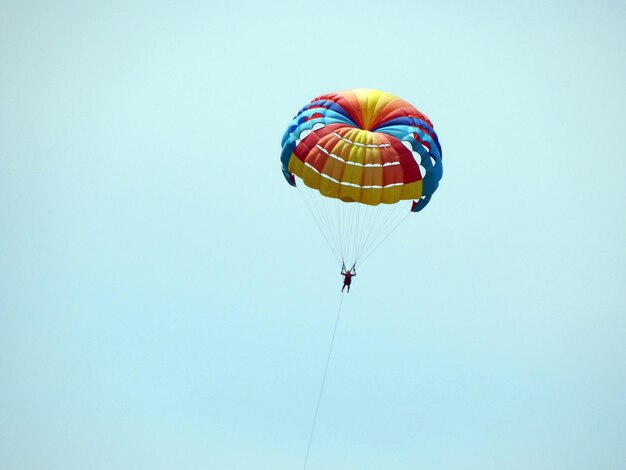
(347, 274)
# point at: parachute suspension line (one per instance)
(377, 214)
(366, 215)
(374, 234)
(321, 207)
(327, 224)
(335, 209)
(319, 397)
(316, 218)
(350, 231)
(355, 235)
(336, 202)
(329, 220)
(331, 223)
(379, 227)
(358, 230)
(380, 224)
(391, 215)
(374, 214)
(395, 218)
(367, 255)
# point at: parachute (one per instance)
(358, 156)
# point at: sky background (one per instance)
(166, 301)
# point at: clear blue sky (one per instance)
(166, 301)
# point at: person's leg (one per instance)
(348, 288)
(344, 286)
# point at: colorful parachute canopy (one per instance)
(364, 146)
(360, 153)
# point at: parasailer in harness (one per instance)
(347, 274)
